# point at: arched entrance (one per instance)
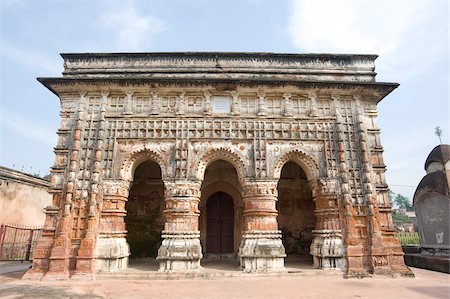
(220, 224)
(221, 209)
(296, 217)
(145, 211)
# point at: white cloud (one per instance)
(27, 128)
(133, 31)
(409, 35)
(30, 58)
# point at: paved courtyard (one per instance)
(426, 284)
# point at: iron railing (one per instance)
(17, 242)
(408, 238)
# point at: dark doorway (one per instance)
(295, 207)
(145, 211)
(220, 223)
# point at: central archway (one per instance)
(221, 211)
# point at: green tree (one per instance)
(403, 202)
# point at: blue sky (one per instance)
(411, 37)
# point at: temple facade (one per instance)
(182, 157)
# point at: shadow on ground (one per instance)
(27, 291)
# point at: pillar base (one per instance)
(111, 254)
(327, 249)
(33, 275)
(262, 251)
(180, 251)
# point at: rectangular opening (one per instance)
(221, 105)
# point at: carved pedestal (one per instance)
(262, 251)
(111, 248)
(180, 251)
(327, 249)
(111, 254)
(387, 255)
(41, 252)
(59, 260)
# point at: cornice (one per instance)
(64, 84)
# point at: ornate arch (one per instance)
(134, 159)
(220, 153)
(306, 162)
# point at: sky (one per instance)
(410, 37)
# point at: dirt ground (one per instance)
(426, 284)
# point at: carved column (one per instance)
(354, 230)
(128, 107)
(155, 103)
(261, 247)
(180, 249)
(181, 104)
(312, 96)
(327, 247)
(207, 110)
(85, 263)
(235, 104)
(385, 250)
(262, 104)
(287, 105)
(41, 252)
(60, 252)
(111, 249)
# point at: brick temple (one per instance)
(253, 157)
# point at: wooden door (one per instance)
(220, 224)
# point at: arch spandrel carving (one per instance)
(134, 158)
(305, 161)
(219, 152)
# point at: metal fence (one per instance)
(17, 242)
(408, 238)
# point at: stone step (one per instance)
(201, 275)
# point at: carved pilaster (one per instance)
(155, 103)
(180, 249)
(181, 104)
(386, 256)
(336, 105)
(261, 248)
(262, 105)
(128, 107)
(60, 252)
(235, 104)
(85, 265)
(355, 237)
(181, 158)
(312, 104)
(208, 103)
(287, 105)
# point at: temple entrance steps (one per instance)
(147, 269)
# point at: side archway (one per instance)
(136, 158)
(306, 162)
